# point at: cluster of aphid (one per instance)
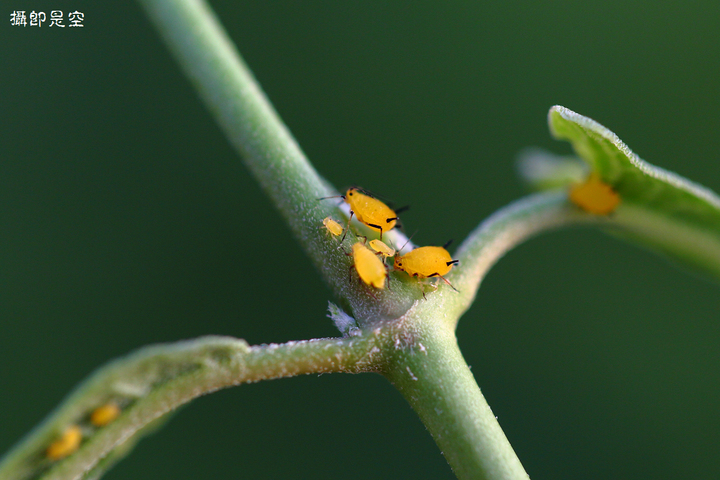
(422, 262)
(593, 196)
(69, 441)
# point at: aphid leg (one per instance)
(447, 244)
(402, 209)
(350, 272)
(454, 262)
(369, 290)
(376, 226)
(348, 226)
(443, 279)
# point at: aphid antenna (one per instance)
(406, 242)
(332, 196)
(447, 244)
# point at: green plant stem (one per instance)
(426, 365)
(231, 93)
(229, 90)
(505, 229)
(158, 379)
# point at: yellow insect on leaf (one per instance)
(332, 226)
(68, 442)
(426, 262)
(382, 248)
(595, 196)
(369, 267)
(104, 414)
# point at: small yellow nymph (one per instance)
(68, 442)
(381, 248)
(332, 226)
(104, 414)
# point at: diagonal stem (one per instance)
(212, 63)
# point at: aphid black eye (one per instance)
(350, 194)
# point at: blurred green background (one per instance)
(126, 219)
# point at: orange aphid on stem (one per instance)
(368, 266)
(426, 262)
(68, 442)
(104, 414)
(369, 210)
(595, 196)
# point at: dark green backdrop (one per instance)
(126, 219)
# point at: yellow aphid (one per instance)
(68, 442)
(382, 248)
(332, 226)
(425, 262)
(369, 267)
(104, 414)
(369, 210)
(595, 196)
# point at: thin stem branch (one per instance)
(505, 229)
(157, 379)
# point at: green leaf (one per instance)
(658, 209)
